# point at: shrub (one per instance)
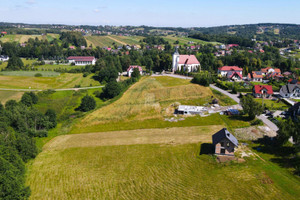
(87, 103)
(38, 75)
(111, 90)
(257, 122)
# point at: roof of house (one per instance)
(134, 66)
(257, 74)
(289, 88)
(224, 133)
(265, 70)
(188, 60)
(81, 58)
(230, 75)
(259, 88)
(230, 68)
(274, 74)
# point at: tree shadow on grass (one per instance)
(240, 117)
(207, 148)
(284, 155)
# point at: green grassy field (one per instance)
(185, 40)
(153, 171)
(103, 41)
(63, 81)
(148, 103)
(26, 62)
(273, 105)
(10, 95)
(30, 73)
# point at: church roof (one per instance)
(188, 60)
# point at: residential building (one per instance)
(290, 91)
(224, 142)
(82, 60)
(4, 58)
(265, 91)
(234, 76)
(190, 110)
(130, 70)
(188, 63)
(225, 70)
(269, 70)
(255, 76)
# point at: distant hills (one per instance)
(261, 31)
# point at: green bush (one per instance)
(38, 75)
(257, 122)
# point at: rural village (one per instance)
(141, 112)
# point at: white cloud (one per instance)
(31, 2)
(96, 10)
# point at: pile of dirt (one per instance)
(253, 132)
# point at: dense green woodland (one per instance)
(20, 122)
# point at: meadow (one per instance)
(148, 104)
(64, 80)
(24, 38)
(273, 105)
(151, 171)
(30, 73)
(10, 95)
(26, 62)
(106, 41)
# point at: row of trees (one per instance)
(20, 122)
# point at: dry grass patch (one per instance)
(10, 95)
(153, 171)
(145, 100)
(179, 135)
(62, 81)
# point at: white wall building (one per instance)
(188, 63)
(82, 60)
(4, 58)
(130, 70)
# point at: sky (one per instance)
(170, 13)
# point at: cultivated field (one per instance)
(69, 168)
(106, 41)
(10, 95)
(62, 81)
(185, 40)
(148, 104)
(24, 38)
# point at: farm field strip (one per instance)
(42, 83)
(177, 135)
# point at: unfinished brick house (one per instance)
(224, 143)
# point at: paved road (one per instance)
(268, 122)
(39, 90)
(232, 96)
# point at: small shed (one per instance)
(224, 142)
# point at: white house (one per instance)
(130, 70)
(4, 58)
(228, 70)
(188, 63)
(82, 60)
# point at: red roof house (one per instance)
(130, 69)
(262, 91)
(229, 71)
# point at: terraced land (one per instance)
(148, 104)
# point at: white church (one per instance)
(187, 63)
